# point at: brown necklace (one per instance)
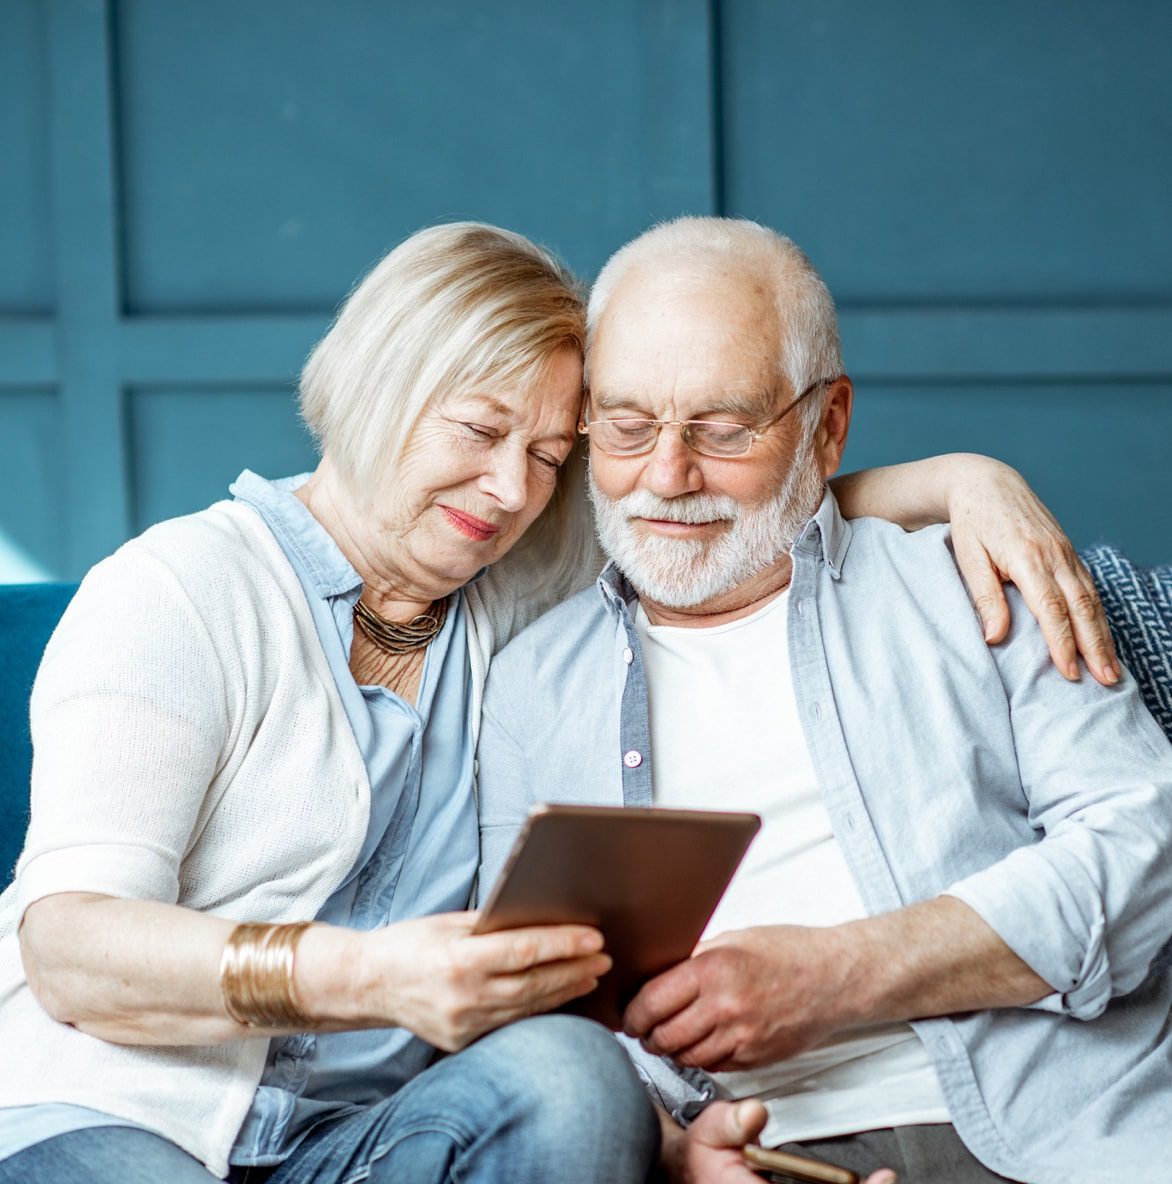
(394, 637)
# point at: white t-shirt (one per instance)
(725, 735)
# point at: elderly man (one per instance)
(943, 952)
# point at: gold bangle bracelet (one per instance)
(256, 976)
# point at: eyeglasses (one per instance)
(634, 437)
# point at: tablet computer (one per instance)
(649, 879)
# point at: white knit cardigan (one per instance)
(191, 747)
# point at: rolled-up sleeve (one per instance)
(1088, 906)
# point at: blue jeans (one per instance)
(549, 1098)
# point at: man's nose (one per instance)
(672, 467)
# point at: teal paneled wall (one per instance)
(189, 189)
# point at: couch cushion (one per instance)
(1139, 610)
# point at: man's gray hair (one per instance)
(807, 327)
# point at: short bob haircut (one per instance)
(454, 307)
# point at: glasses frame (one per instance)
(756, 431)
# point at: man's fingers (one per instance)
(660, 999)
(714, 1052)
(729, 1124)
(984, 584)
(693, 1027)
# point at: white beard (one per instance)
(684, 573)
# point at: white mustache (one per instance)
(691, 509)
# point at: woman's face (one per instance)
(479, 467)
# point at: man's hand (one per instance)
(754, 996)
(709, 1151)
(749, 997)
(1001, 531)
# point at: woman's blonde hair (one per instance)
(453, 307)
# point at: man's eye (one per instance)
(630, 427)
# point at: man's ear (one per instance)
(830, 438)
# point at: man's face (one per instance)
(688, 529)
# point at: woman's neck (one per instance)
(387, 590)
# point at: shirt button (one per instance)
(628, 655)
(475, 768)
(632, 759)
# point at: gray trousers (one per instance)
(930, 1154)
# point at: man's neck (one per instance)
(742, 601)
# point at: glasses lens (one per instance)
(623, 437)
(718, 439)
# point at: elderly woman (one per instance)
(236, 939)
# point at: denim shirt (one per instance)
(946, 766)
(420, 852)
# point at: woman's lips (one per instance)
(470, 526)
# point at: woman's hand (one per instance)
(435, 977)
(1000, 531)
(143, 972)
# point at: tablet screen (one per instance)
(649, 879)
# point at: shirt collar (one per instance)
(329, 571)
(824, 538)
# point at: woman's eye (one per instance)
(479, 430)
(550, 462)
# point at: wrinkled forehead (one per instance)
(686, 337)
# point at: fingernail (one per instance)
(1112, 672)
(988, 630)
(1072, 672)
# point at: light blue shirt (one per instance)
(419, 856)
(946, 766)
(420, 852)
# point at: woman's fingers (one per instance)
(984, 584)
(1060, 593)
(513, 950)
(1088, 619)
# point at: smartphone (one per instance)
(781, 1165)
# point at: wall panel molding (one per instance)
(97, 511)
(171, 114)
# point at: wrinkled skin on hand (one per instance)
(435, 977)
(747, 998)
(1002, 532)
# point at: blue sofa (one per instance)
(1138, 603)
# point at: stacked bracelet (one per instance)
(256, 976)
